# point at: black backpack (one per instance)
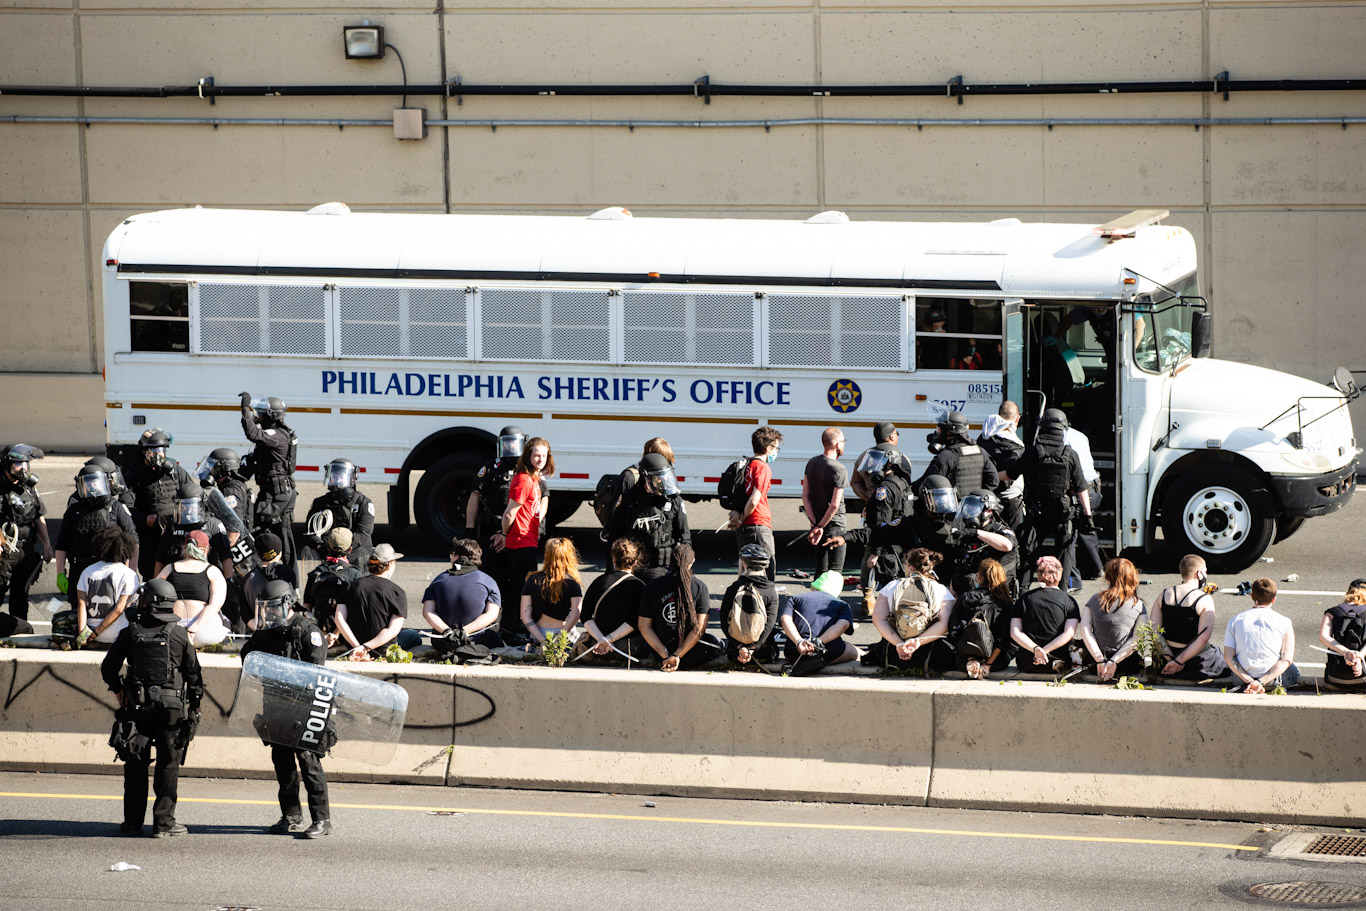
(149, 663)
(730, 489)
(1351, 629)
(331, 582)
(974, 637)
(607, 495)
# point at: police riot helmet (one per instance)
(274, 603)
(154, 442)
(111, 468)
(990, 502)
(157, 598)
(1054, 416)
(972, 511)
(188, 508)
(219, 464)
(341, 474)
(874, 463)
(22, 453)
(93, 483)
(955, 423)
(511, 440)
(938, 495)
(268, 408)
(659, 474)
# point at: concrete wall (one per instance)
(1279, 211)
(1025, 746)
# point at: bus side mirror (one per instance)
(1201, 327)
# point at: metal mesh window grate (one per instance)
(511, 323)
(230, 319)
(436, 323)
(655, 327)
(580, 326)
(297, 320)
(724, 329)
(835, 330)
(370, 322)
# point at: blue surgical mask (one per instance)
(770, 457)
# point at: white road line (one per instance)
(1286, 591)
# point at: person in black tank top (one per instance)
(189, 586)
(1343, 633)
(1185, 614)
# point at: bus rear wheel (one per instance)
(440, 499)
(1221, 512)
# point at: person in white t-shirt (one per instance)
(106, 587)
(1259, 645)
(894, 650)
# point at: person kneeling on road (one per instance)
(815, 623)
(284, 628)
(1259, 644)
(1343, 633)
(1043, 622)
(910, 613)
(673, 616)
(1110, 621)
(749, 609)
(610, 609)
(979, 628)
(462, 604)
(375, 609)
(1184, 615)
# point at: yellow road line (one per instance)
(741, 823)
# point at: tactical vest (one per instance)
(653, 525)
(149, 663)
(1049, 477)
(19, 504)
(275, 473)
(232, 487)
(343, 509)
(890, 502)
(967, 474)
(84, 525)
(154, 489)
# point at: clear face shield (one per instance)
(941, 501)
(93, 485)
(971, 512)
(206, 468)
(340, 476)
(189, 512)
(663, 482)
(154, 455)
(510, 447)
(272, 612)
(873, 463)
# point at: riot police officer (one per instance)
(220, 469)
(965, 464)
(887, 530)
(189, 513)
(979, 534)
(116, 482)
(343, 506)
(154, 481)
(93, 506)
(272, 462)
(160, 695)
(24, 543)
(935, 509)
(652, 514)
(885, 436)
(1053, 476)
(284, 628)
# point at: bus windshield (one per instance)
(1162, 327)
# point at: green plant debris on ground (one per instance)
(395, 655)
(555, 648)
(1130, 683)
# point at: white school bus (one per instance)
(404, 342)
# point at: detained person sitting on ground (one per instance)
(272, 568)
(200, 591)
(463, 603)
(910, 613)
(375, 609)
(106, 588)
(1259, 644)
(749, 609)
(610, 608)
(1044, 621)
(673, 613)
(815, 623)
(1185, 614)
(1110, 621)
(979, 628)
(553, 597)
(1343, 633)
(328, 584)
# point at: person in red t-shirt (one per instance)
(753, 523)
(520, 538)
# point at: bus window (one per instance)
(849, 330)
(159, 316)
(1162, 328)
(953, 333)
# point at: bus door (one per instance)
(1070, 362)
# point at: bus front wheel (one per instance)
(1221, 512)
(441, 495)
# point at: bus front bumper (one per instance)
(1316, 496)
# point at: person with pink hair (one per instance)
(1043, 621)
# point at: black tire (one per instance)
(1221, 512)
(1287, 526)
(563, 505)
(439, 503)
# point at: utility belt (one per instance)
(147, 697)
(278, 484)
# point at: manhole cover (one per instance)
(1302, 892)
(1338, 846)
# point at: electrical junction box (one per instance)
(410, 123)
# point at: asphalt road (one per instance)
(405, 847)
(1325, 555)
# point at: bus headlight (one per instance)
(1308, 461)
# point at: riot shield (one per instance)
(243, 550)
(312, 707)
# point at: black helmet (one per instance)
(1055, 416)
(274, 603)
(22, 452)
(938, 495)
(511, 439)
(109, 467)
(188, 507)
(268, 408)
(93, 483)
(990, 501)
(659, 474)
(218, 464)
(153, 444)
(157, 597)
(954, 423)
(341, 474)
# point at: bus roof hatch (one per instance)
(1128, 225)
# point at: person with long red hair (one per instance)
(551, 598)
(1110, 620)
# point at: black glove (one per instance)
(462, 532)
(246, 399)
(1086, 525)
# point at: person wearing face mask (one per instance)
(753, 521)
(651, 514)
(24, 543)
(154, 480)
(1184, 615)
